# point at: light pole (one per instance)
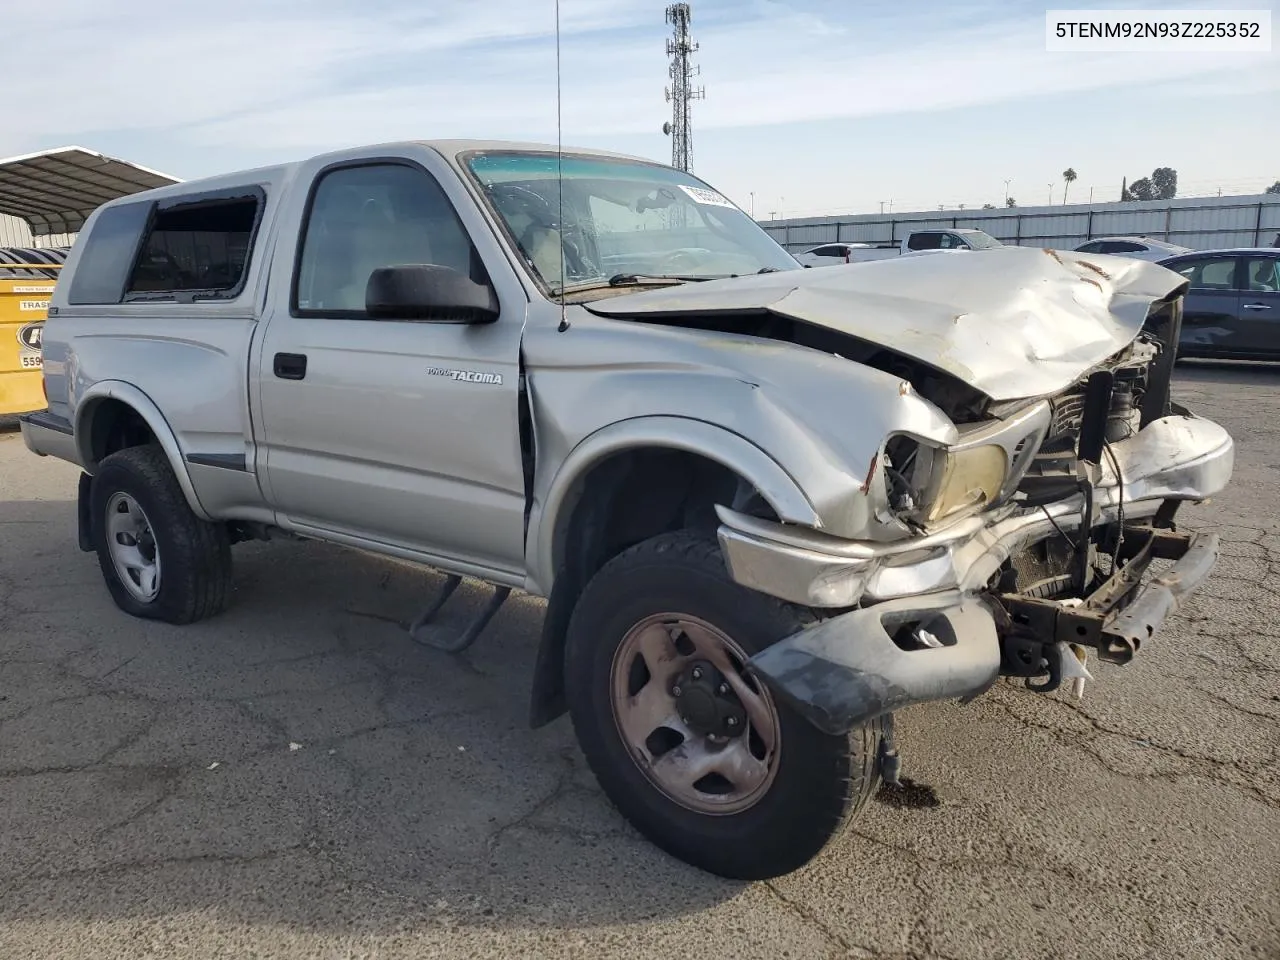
(1051, 194)
(1006, 190)
(753, 204)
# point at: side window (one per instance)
(196, 247)
(1093, 247)
(1217, 274)
(1262, 275)
(376, 215)
(925, 241)
(109, 250)
(1122, 246)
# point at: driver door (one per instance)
(393, 433)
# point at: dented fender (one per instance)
(804, 427)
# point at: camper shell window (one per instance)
(197, 248)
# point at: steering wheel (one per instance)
(573, 263)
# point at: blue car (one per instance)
(1232, 311)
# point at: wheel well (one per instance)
(632, 496)
(114, 426)
(621, 501)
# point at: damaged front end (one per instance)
(1032, 541)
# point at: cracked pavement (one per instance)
(297, 779)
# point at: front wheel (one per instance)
(691, 748)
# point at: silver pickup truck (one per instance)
(769, 507)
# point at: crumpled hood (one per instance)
(1013, 322)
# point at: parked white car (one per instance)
(918, 241)
(831, 253)
(1141, 248)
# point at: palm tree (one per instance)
(1068, 176)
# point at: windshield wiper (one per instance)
(630, 280)
(626, 279)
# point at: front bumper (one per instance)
(851, 668)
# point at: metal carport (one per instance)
(54, 191)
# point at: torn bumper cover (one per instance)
(848, 670)
(852, 668)
(866, 662)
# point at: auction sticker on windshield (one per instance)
(707, 197)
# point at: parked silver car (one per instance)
(770, 507)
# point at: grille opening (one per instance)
(1052, 473)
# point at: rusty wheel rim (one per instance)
(710, 773)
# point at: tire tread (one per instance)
(200, 556)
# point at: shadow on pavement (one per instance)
(1240, 372)
(296, 760)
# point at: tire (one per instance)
(193, 572)
(819, 781)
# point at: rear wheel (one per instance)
(693, 749)
(159, 560)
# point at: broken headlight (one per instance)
(971, 477)
(927, 483)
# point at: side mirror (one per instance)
(428, 291)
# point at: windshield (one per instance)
(622, 219)
(981, 241)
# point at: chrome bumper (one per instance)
(1178, 458)
(47, 435)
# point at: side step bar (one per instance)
(420, 632)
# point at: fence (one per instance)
(1202, 223)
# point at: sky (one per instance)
(812, 106)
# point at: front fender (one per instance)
(744, 458)
(82, 417)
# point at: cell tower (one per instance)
(681, 92)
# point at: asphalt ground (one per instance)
(296, 779)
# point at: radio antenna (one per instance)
(560, 235)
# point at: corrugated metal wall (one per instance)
(1201, 223)
(15, 233)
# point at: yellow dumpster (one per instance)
(27, 277)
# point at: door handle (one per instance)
(290, 366)
(1257, 306)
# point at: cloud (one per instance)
(144, 65)
(288, 77)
